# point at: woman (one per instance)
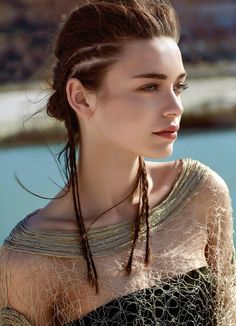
(128, 241)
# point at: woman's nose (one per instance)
(174, 106)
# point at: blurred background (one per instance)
(27, 32)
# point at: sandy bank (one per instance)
(208, 103)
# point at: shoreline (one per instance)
(190, 123)
(209, 104)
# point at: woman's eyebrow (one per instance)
(158, 76)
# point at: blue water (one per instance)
(35, 166)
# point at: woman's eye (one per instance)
(149, 88)
(180, 88)
(154, 88)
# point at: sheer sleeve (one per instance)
(24, 300)
(220, 250)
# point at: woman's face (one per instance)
(141, 97)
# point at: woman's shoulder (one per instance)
(192, 166)
(213, 189)
(173, 169)
(57, 215)
(190, 174)
(213, 183)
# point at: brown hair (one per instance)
(89, 42)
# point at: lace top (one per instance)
(190, 281)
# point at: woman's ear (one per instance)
(80, 99)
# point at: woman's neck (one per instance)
(105, 177)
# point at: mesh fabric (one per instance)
(190, 280)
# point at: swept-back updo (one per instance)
(89, 42)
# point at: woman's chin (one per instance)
(160, 154)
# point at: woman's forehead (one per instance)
(160, 55)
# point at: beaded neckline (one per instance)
(112, 238)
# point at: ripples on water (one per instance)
(35, 165)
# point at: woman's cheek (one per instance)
(126, 108)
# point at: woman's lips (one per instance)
(167, 134)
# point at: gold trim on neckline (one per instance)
(106, 240)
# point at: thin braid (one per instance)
(128, 267)
(97, 50)
(143, 211)
(64, 70)
(91, 269)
